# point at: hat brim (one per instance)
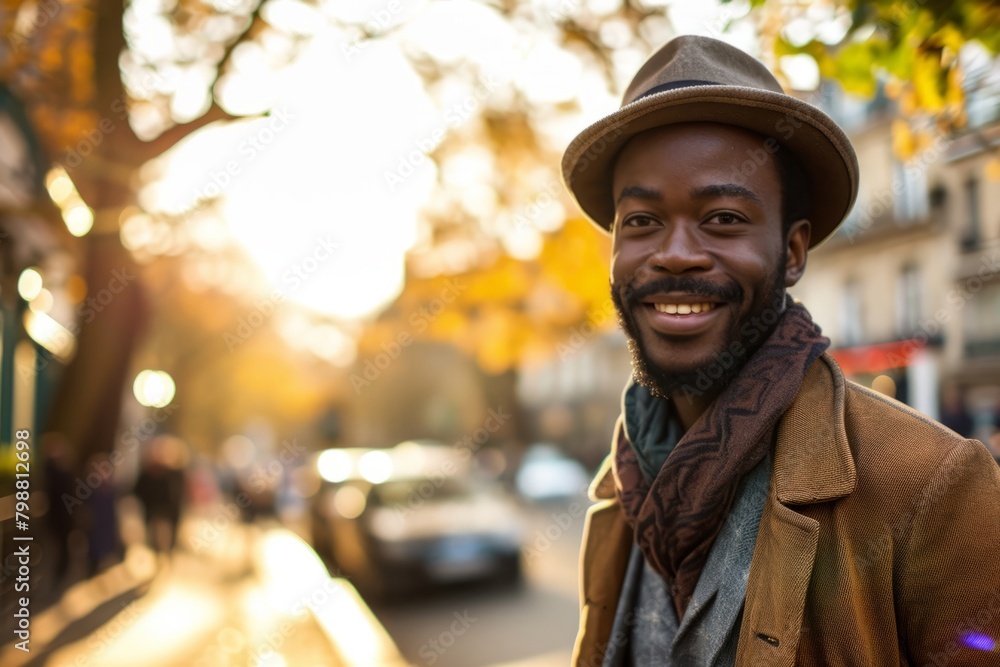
(822, 148)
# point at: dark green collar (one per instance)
(651, 428)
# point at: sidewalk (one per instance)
(251, 597)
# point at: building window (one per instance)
(982, 323)
(909, 294)
(910, 203)
(972, 214)
(981, 85)
(852, 315)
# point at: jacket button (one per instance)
(773, 641)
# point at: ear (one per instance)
(797, 249)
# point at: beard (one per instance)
(663, 383)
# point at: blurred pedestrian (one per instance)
(954, 413)
(757, 508)
(160, 488)
(57, 469)
(103, 543)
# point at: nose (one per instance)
(679, 251)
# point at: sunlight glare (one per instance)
(801, 70)
(169, 627)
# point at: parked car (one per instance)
(412, 517)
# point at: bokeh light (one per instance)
(349, 502)
(376, 467)
(154, 389)
(334, 465)
(29, 284)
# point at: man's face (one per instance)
(699, 261)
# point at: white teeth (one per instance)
(683, 308)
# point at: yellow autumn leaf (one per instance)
(927, 80)
(954, 94)
(993, 169)
(903, 143)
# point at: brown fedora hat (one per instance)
(700, 79)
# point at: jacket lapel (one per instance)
(607, 544)
(812, 463)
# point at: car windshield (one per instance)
(402, 491)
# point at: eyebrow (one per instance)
(724, 190)
(639, 192)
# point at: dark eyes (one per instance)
(724, 218)
(727, 218)
(638, 221)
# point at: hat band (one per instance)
(686, 83)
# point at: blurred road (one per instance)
(479, 626)
(258, 596)
(251, 597)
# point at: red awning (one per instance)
(877, 358)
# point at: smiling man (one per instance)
(756, 507)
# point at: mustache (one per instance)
(687, 284)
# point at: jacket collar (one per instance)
(812, 458)
(603, 485)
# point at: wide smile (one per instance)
(681, 316)
(684, 308)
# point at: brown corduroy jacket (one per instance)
(879, 543)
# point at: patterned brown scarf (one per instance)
(677, 517)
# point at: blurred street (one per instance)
(308, 348)
(258, 596)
